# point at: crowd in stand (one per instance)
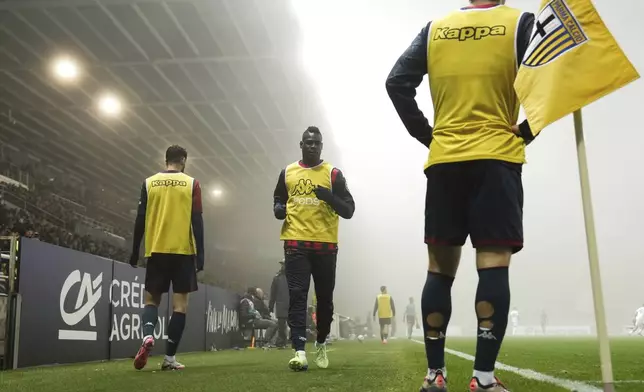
(33, 224)
(50, 210)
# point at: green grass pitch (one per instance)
(369, 366)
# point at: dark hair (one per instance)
(383, 288)
(312, 129)
(175, 154)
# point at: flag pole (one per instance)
(593, 257)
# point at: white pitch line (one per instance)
(575, 386)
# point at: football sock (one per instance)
(436, 304)
(149, 319)
(492, 307)
(175, 331)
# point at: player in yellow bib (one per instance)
(311, 195)
(476, 153)
(386, 311)
(170, 217)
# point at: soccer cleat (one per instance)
(172, 365)
(141, 358)
(384, 341)
(321, 360)
(299, 362)
(437, 384)
(496, 386)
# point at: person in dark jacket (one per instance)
(278, 304)
(254, 314)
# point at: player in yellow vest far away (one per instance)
(476, 153)
(310, 196)
(170, 216)
(386, 311)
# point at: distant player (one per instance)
(638, 322)
(544, 322)
(514, 317)
(410, 317)
(170, 216)
(386, 311)
(476, 152)
(311, 195)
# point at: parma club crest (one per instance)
(556, 31)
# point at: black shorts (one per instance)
(385, 321)
(165, 268)
(482, 199)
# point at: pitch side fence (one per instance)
(66, 306)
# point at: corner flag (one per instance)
(572, 61)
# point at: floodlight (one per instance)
(65, 69)
(110, 105)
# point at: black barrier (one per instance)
(65, 307)
(222, 323)
(77, 308)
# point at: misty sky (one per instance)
(349, 48)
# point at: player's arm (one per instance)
(197, 224)
(340, 199)
(139, 226)
(393, 307)
(280, 197)
(526, 25)
(375, 308)
(406, 75)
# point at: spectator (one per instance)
(279, 302)
(251, 317)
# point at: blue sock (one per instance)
(175, 331)
(149, 319)
(492, 308)
(298, 337)
(436, 304)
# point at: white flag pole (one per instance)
(593, 257)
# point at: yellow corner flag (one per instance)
(572, 61)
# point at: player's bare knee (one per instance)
(493, 257)
(180, 303)
(444, 260)
(152, 299)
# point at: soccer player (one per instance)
(170, 216)
(638, 322)
(410, 317)
(310, 196)
(386, 310)
(544, 321)
(474, 188)
(514, 316)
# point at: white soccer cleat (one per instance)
(299, 362)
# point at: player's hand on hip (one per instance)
(323, 193)
(515, 129)
(134, 260)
